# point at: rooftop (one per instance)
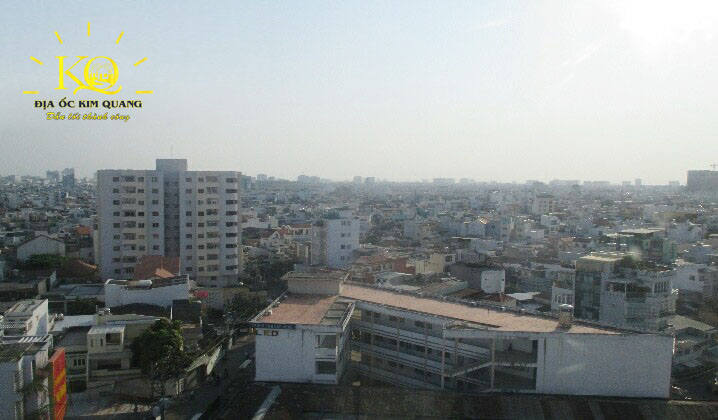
(72, 321)
(301, 309)
(74, 337)
(156, 265)
(106, 329)
(24, 307)
(602, 258)
(493, 318)
(313, 309)
(328, 276)
(641, 231)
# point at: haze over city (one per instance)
(402, 90)
(359, 209)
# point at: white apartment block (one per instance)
(210, 227)
(324, 328)
(131, 214)
(173, 212)
(335, 238)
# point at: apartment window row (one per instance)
(209, 212)
(128, 247)
(210, 235)
(208, 178)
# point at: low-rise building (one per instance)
(27, 317)
(98, 348)
(607, 290)
(155, 291)
(23, 378)
(323, 328)
(40, 245)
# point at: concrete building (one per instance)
(324, 328)
(21, 361)
(173, 212)
(648, 243)
(702, 180)
(26, 318)
(562, 290)
(607, 292)
(156, 291)
(40, 244)
(98, 348)
(68, 177)
(335, 238)
(481, 277)
(543, 204)
(210, 227)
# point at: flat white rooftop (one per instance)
(106, 329)
(24, 307)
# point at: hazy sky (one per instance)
(403, 90)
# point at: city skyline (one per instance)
(407, 90)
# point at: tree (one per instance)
(81, 307)
(245, 307)
(159, 350)
(39, 261)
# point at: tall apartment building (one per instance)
(68, 177)
(335, 238)
(702, 180)
(170, 211)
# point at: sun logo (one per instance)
(99, 74)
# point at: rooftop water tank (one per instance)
(565, 316)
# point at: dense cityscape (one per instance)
(359, 210)
(181, 293)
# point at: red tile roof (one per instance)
(150, 265)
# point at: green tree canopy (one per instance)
(159, 350)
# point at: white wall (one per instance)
(350, 241)
(687, 279)
(314, 287)
(610, 365)
(40, 245)
(288, 356)
(118, 295)
(493, 281)
(8, 396)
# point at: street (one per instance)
(205, 396)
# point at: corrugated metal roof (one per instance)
(106, 329)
